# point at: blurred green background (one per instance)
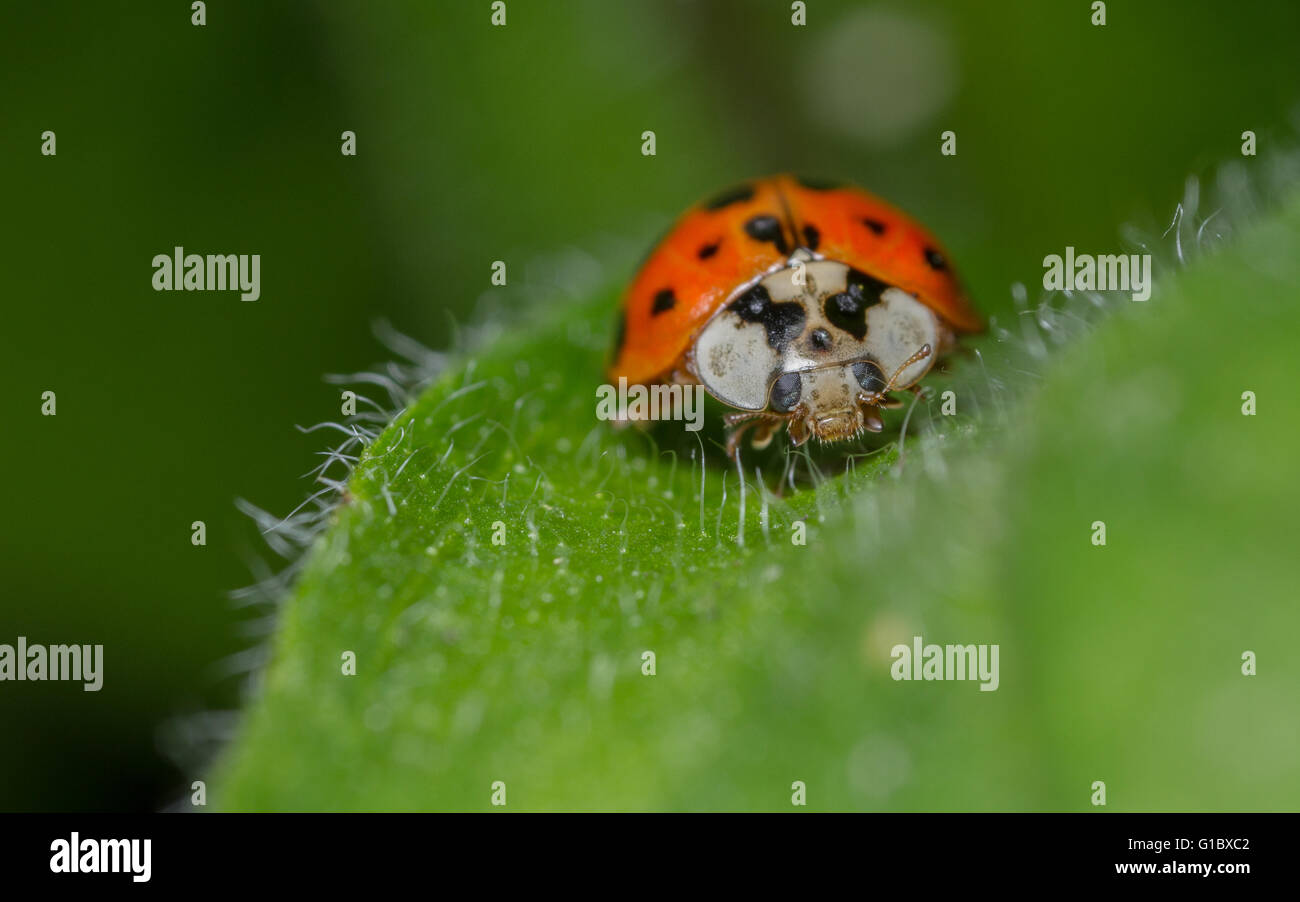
(475, 144)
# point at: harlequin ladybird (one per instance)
(799, 303)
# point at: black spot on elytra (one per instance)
(811, 237)
(664, 301)
(820, 340)
(848, 309)
(786, 392)
(869, 376)
(816, 184)
(935, 259)
(783, 322)
(731, 196)
(708, 250)
(875, 225)
(767, 228)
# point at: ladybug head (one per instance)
(830, 403)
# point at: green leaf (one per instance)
(522, 662)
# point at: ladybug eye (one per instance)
(869, 376)
(786, 391)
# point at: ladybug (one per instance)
(800, 303)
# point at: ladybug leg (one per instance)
(766, 423)
(739, 423)
(764, 432)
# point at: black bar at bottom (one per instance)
(334, 851)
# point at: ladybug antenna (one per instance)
(921, 354)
